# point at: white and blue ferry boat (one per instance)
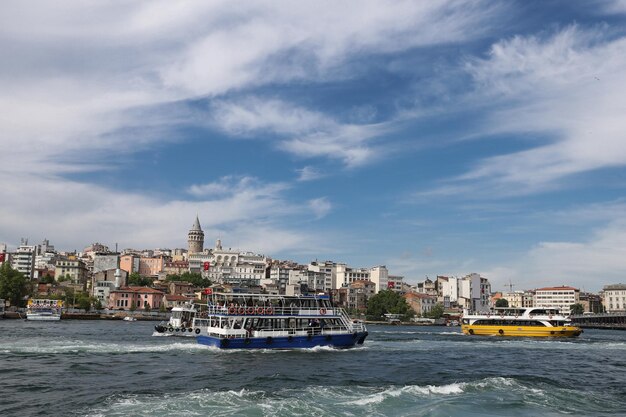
(261, 321)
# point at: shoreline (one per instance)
(12, 315)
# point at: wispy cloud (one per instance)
(300, 131)
(320, 206)
(557, 90)
(309, 173)
(232, 185)
(561, 86)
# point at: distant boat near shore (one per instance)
(44, 310)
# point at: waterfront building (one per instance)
(557, 297)
(151, 266)
(447, 290)
(325, 268)
(4, 256)
(175, 267)
(614, 298)
(427, 287)
(72, 268)
(103, 282)
(358, 294)
(23, 259)
(179, 287)
(471, 292)
(95, 248)
(45, 260)
(179, 254)
(421, 303)
(308, 280)
(379, 275)
(105, 261)
(592, 303)
(395, 283)
(175, 300)
(195, 238)
(279, 275)
(129, 262)
(228, 266)
(140, 298)
(345, 275)
(528, 299)
(514, 298)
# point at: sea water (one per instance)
(115, 368)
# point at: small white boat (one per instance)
(129, 318)
(181, 323)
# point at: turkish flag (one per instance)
(1, 257)
(206, 266)
(208, 291)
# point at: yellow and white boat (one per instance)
(520, 322)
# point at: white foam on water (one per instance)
(322, 400)
(77, 346)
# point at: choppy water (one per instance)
(102, 368)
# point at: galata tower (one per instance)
(195, 238)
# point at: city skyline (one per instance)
(433, 138)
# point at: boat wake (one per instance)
(77, 346)
(523, 396)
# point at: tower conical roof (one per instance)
(196, 225)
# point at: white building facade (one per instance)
(614, 298)
(23, 260)
(557, 297)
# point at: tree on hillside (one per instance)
(13, 285)
(502, 302)
(193, 278)
(84, 302)
(577, 309)
(48, 279)
(385, 302)
(138, 280)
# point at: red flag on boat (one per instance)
(208, 291)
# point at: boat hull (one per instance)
(170, 331)
(521, 331)
(340, 341)
(37, 317)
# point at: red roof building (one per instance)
(140, 298)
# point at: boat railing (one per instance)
(355, 326)
(224, 333)
(269, 310)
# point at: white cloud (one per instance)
(305, 133)
(320, 207)
(256, 217)
(588, 264)
(563, 87)
(72, 73)
(309, 173)
(232, 185)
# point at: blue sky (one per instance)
(431, 137)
